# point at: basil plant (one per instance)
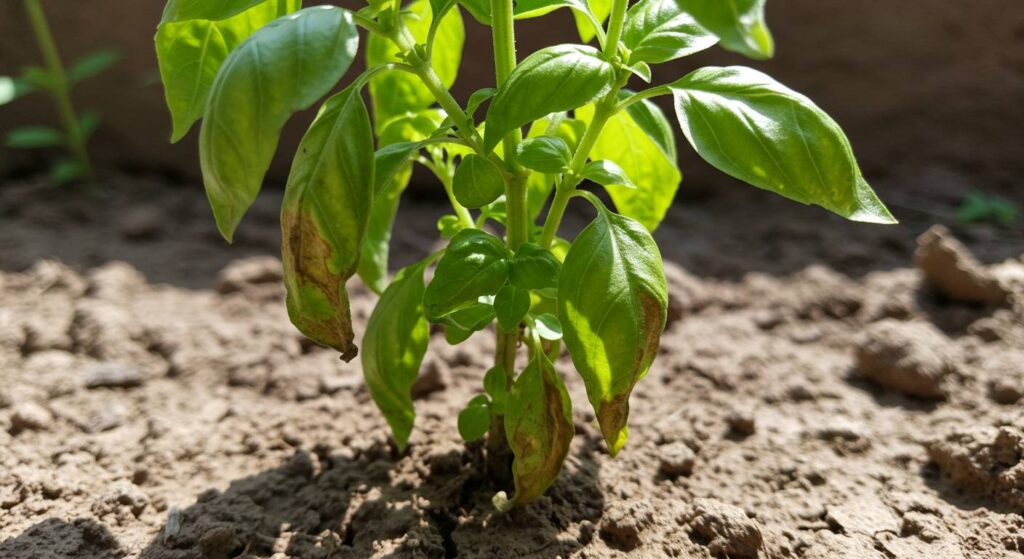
(510, 158)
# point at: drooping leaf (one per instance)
(475, 419)
(191, 51)
(460, 325)
(373, 265)
(655, 177)
(657, 31)
(259, 86)
(32, 137)
(545, 154)
(477, 182)
(324, 217)
(757, 130)
(474, 264)
(510, 306)
(534, 267)
(739, 24)
(393, 349)
(606, 173)
(554, 79)
(394, 92)
(539, 428)
(612, 305)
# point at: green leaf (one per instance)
(656, 177)
(373, 265)
(539, 428)
(510, 307)
(475, 419)
(190, 52)
(534, 267)
(600, 9)
(652, 120)
(755, 129)
(607, 173)
(548, 327)
(449, 225)
(460, 325)
(32, 137)
(739, 24)
(181, 10)
(474, 264)
(324, 217)
(478, 97)
(477, 182)
(527, 9)
(393, 348)
(496, 386)
(553, 79)
(88, 123)
(64, 171)
(260, 85)
(92, 64)
(612, 304)
(545, 154)
(390, 161)
(414, 126)
(395, 92)
(641, 70)
(657, 31)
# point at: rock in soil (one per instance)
(113, 374)
(675, 459)
(985, 461)
(950, 268)
(725, 529)
(912, 358)
(30, 416)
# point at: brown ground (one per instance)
(815, 397)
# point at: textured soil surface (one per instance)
(825, 390)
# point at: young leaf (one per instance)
(553, 79)
(739, 24)
(612, 305)
(259, 86)
(587, 29)
(460, 325)
(510, 306)
(190, 52)
(548, 327)
(534, 267)
(394, 92)
(755, 129)
(92, 64)
(641, 70)
(643, 161)
(32, 137)
(477, 98)
(652, 120)
(477, 182)
(657, 31)
(474, 264)
(539, 428)
(496, 386)
(607, 173)
(393, 348)
(545, 154)
(475, 419)
(323, 219)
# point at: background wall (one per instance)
(913, 82)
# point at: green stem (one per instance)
(463, 123)
(61, 90)
(640, 96)
(615, 22)
(446, 179)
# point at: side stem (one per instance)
(61, 90)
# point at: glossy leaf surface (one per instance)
(474, 264)
(657, 31)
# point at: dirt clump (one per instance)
(950, 268)
(984, 461)
(726, 529)
(912, 358)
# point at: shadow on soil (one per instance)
(319, 505)
(54, 538)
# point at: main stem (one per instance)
(61, 90)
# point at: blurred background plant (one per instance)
(53, 79)
(979, 207)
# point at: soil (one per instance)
(817, 395)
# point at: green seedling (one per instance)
(979, 207)
(54, 80)
(554, 120)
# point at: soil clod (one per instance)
(912, 358)
(950, 268)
